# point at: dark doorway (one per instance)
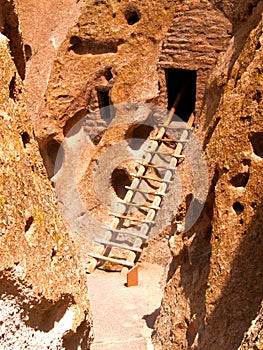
(176, 79)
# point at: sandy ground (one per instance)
(123, 317)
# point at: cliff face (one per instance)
(122, 51)
(43, 290)
(215, 286)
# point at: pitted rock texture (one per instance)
(214, 288)
(253, 339)
(111, 54)
(43, 289)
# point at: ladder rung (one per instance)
(168, 140)
(134, 234)
(139, 205)
(115, 261)
(173, 127)
(118, 245)
(146, 177)
(118, 215)
(155, 208)
(167, 154)
(145, 192)
(133, 204)
(179, 156)
(156, 166)
(150, 178)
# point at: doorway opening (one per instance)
(176, 81)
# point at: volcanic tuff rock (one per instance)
(116, 52)
(215, 285)
(43, 290)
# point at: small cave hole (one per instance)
(53, 156)
(137, 135)
(25, 138)
(119, 179)
(28, 52)
(76, 44)
(181, 81)
(246, 161)
(256, 140)
(93, 46)
(132, 15)
(240, 180)
(108, 74)
(29, 222)
(238, 207)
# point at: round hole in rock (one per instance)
(256, 140)
(137, 135)
(119, 179)
(238, 207)
(132, 15)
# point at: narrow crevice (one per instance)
(29, 222)
(210, 131)
(25, 138)
(12, 32)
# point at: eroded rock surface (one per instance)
(215, 286)
(43, 289)
(120, 51)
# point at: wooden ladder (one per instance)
(116, 228)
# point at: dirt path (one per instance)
(123, 317)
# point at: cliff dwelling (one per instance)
(131, 181)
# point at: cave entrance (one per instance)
(175, 81)
(120, 178)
